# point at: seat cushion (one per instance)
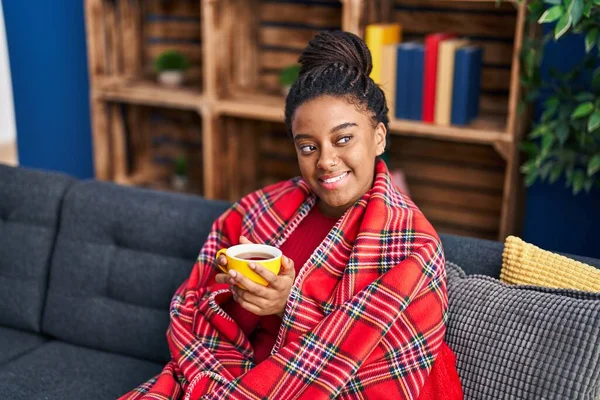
(58, 370)
(120, 255)
(523, 342)
(29, 209)
(14, 343)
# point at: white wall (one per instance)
(8, 131)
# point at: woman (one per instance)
(358, 309)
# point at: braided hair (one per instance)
(337, 64)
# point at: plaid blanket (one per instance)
(364, 320)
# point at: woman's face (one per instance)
(336, 146)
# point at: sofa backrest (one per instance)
(484, 257)
(29, 211)
(120, 254)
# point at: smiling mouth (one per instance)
(334, 179)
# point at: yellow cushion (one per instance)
(526, 264)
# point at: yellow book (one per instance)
(388, 75)
(377, 36)
(445, 79)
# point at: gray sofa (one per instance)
(87, 270)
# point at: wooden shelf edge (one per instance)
(147, 93)
(236, 108)
(466, 134)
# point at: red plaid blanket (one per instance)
(364, 320)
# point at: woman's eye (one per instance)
(344, 139)
(307, 148)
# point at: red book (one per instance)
(432, 43)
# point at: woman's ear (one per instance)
(380, 135)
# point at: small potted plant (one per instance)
(179, 180)
(287, 77)
(170, 66)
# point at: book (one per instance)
(416, 72)
(388, 76)
(466, 85)
(409, 80)
(377, 36)
(432, 42)
(445, 78)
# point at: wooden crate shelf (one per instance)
(465, 178)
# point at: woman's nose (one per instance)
(327, 159)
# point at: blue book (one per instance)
(417, 73)
(403, 58)
(466, 85)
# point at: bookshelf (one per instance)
(465, 178)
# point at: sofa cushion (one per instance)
(523, 342)
(29, 209)
(58, 371)
(14, 343)
(526, 264)
(120, 255)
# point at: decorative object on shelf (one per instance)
(179, 180)
(170, 66)
(566, 139)
(287, 77)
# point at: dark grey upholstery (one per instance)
(29, 210)
(59, 371)
(101, 287)
(120, 255)
(14, 343)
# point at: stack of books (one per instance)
(438, 81)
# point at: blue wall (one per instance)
(554, 218)
(48, 62)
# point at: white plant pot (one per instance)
(171, 78)
(179, 182)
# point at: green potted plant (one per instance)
(170, 67)
(179, 179)
(565, 142)
(287, 77)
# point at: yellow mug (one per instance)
(239, 256)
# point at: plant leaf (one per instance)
(583, 110)
(551, 105)
(578, 180)
(531, 177)
(530, 148)
(545, 170)
(552, 1)
(585, 96)
(587, 9)
(562, 132)
(593, 165)
(590, 39)
(555, 172)
(596, 78)
(538, 131)
(576, 11)
(594, 121)
(552, 14)
(597, 2)
(587, 185)
(562, 26)
(547, 142)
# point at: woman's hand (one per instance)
(258, 299)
